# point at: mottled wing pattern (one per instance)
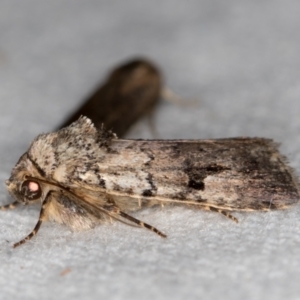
(232, 174)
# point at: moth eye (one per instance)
(31, 190)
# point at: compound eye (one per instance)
(31, 190)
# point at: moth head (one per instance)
(24, 184)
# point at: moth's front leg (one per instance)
(38, 224)
(10, 206)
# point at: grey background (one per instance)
(239, 58)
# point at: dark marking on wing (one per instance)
(153, 188)
(102, 183)
(39, 169)
(151, 159)
(197, 174)
(197, 185)
(147, 193)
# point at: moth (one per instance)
(83, 176)
(129, 92)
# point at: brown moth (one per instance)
(83, 176)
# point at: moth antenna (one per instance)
(162, 199)
(10, 206)
(38, 224)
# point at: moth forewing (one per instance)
(232, 174)
(83, 176)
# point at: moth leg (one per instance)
(138, 222)
(223, 212)
(10, 206)
(37, 226)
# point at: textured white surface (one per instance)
(241, 58)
